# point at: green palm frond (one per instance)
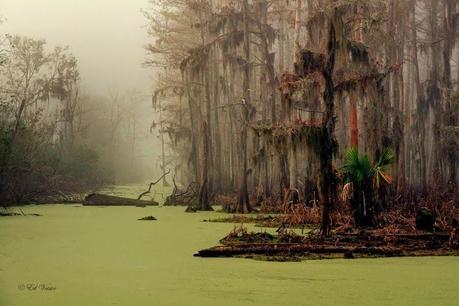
(380, 174)
(359, 169)
(386, 158)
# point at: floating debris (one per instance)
(148, 218)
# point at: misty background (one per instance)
(107, 39)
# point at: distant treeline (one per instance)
(55, 139)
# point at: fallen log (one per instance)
(292, 249)
(301, 249)
(96, 199)
(242, 243)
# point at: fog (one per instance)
(107, 38)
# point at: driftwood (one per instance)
(179, 198)
(148, 218)
(152, 184)
(107, 200)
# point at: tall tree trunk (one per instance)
(163, 150)
(218, 154)
(327, 175)
(296, 37)
(292, 150)
(210, 127)
(434, 93)
(353, 121)
(267, 81)
(450, 118)
(357, 36)
(399, 102)
(203, 202)
(194, 159)
(419, 130)
(243, 203)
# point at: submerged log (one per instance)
(96, 199)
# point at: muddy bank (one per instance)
(288, 244)
(259, 220)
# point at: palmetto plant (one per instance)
(364, 180)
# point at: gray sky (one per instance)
(105, 35)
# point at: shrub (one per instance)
(364, 180)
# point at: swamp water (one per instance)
(94, 256)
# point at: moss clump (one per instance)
(309, 62)
(359, 52)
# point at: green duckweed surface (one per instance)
(104, 256)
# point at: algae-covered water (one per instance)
(85, 256)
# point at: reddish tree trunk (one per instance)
(354, 127)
